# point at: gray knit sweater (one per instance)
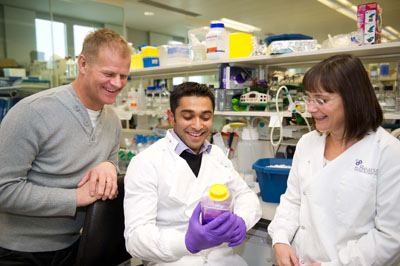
(47, 143)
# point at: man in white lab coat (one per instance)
(164, 185)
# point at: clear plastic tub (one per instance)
(174, 54)
(197, 43)
(216, 201)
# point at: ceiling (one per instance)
(274, 17)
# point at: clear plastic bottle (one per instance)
(378, 87)
(216, 201)
(390, 99)
(151, 100)
(132, 99)
(397, 97)
(141, 98)
(217, 42)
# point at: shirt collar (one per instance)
(206, 146)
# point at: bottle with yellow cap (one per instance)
(215, 202)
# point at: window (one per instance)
(79, 35)
(44, 37)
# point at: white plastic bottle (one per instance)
(249, 149)
(132, 100)
(217, 42)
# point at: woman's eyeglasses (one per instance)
(315, 101)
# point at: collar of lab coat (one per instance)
(188, 189)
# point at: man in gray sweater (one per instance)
(58, 154)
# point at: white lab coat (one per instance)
(161, 193)
(346, 213)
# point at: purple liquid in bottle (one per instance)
(215, 202)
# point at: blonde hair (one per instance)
(104, 38)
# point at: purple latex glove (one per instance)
(239, 234)
(216, 232)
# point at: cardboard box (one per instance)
(369, 23)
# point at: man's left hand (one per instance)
(314, 264)
(103, 181)
(239, 234)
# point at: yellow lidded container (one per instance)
(240, 44)
(149, 51)
(218, 192)
(136, 61)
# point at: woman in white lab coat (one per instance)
(341, 206)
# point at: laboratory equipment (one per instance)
(216, 201)
(254, 98)
(389, 98)
(291, 109)
(141, 106)
(378, 86)
(219, 99)
(217, 42)
(132, 99)
(249, 149)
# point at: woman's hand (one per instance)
(284, 255)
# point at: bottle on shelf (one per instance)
(397, 97)
(390, 99)
(133, 99)
(141, 98)
(378, 87)
(217, 42)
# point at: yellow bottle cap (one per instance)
(218, 192)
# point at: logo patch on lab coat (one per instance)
(359, 167)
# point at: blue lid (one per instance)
(217, 25)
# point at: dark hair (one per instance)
(190, 89)
(346, 75)
(104, 38)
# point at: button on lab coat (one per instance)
(346, 213)
(161, 193)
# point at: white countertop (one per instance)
(268, 208)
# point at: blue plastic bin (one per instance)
(272, 181)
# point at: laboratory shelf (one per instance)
(369, 53)
(127, 115)
(283, 114)
(255, 114)
(391, 116)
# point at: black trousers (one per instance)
(63, 257)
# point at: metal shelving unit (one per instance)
(371, 53)
(368, 54)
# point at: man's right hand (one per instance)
(216, 232)
(83, 197)
(285, 255)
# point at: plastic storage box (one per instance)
(272, 180)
